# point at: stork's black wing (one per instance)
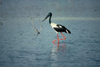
(61, 28)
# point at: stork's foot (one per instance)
(54, 41)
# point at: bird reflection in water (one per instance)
(56, 51)
(60, 46)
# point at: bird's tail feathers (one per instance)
(68, 31)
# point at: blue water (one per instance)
(21, 46)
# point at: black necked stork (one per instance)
(57, 28)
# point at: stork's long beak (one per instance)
(45, 18)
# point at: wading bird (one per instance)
(57, 28)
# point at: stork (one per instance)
(57, 27)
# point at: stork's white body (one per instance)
(54, 25)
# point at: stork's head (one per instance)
(49, 15)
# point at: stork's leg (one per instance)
(63, 36)
(56, 39)
(59, 39)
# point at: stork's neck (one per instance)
(50, 20)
